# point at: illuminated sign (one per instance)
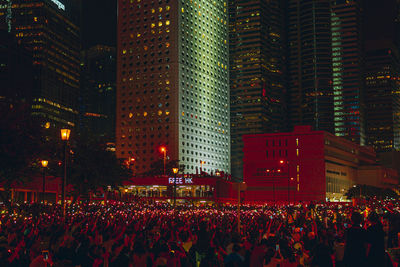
(180, 180)
(59, 4)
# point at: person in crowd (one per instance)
(155, 234)
(356, 243)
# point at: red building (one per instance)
(306, 165)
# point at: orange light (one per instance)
(268, 170)
(132, 159)
(279, 170)
(281, 161)
(163, 149)
(65, 134)
(44, 163)
(175, 170)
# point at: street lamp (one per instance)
(288, 179)
(131, 161)
(44, 165)
(273, 183)
(175, 170)
(201, 166)
(64, 137)
(164, 150)
(240, 187)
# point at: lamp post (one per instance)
(175, 170)
(44, 165)
(131, 161)
(164, 150)
(240, 187)
(288, 179)
(201, 166)
(64, 137)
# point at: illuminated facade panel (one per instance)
(98, 91)
(310, 100)
(47, 29)
(382, 83)
(347, 80)
(257, 54)
(173, 84)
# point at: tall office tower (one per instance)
(257, 52)
(14, 60)
(347, 64)
(382, 84)
(98, 91)
(173, 83)
(310, 98)
(45, 28)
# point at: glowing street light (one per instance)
(44, 165)
(201, 165)
(163, 149)
(175, 171)
(65, 133)
(288, 181)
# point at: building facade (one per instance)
(257, 72)
(382, 81)
(98, 91)
(173, 84)
(306, 165)
(310, 97)
(47, 29)
(347, 70)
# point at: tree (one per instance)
(369, 191)
(157, 168)
(91, 167)
(19, 147)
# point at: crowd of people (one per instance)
(156, 234)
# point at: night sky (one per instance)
(99, 23)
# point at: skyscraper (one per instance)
(257, 53)
(173, 83)
(310, 99)
(382, 81)
(98, 91)
(46, 28)
(347, 72)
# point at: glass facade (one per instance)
(309, 64)
(257, 51)
(46, 29)
(347, 70)
(382, 84)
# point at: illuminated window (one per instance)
(145, 114)
(167, 22)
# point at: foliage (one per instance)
(19, 147)
(91, 167)
(157, 168)
(368, 191)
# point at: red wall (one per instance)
(263, 171)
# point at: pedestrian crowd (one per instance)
(156, 234)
